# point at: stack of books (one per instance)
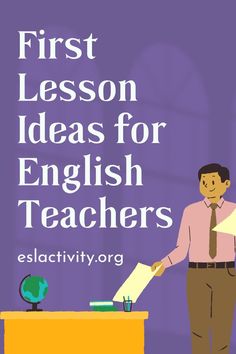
(102, 306)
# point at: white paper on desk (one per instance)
(135, 283)
(228, 225)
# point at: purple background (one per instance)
(182, 56)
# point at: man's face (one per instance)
(211, 186)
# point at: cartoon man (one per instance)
(211, 278)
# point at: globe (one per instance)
(33, 289)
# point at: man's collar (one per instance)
(208, 203)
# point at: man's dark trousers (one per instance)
(211, 298)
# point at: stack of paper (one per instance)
(135, 283)
(228, 225)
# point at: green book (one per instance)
(104, 308)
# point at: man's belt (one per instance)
(211, 265)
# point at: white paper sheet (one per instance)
(228, 225)
(135, 283)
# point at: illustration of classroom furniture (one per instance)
(73, 332)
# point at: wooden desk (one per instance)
(74, 332)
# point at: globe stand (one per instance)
(34, 307)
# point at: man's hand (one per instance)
(160, 268)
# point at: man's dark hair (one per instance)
(215, 167)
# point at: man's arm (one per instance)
(181, 249)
